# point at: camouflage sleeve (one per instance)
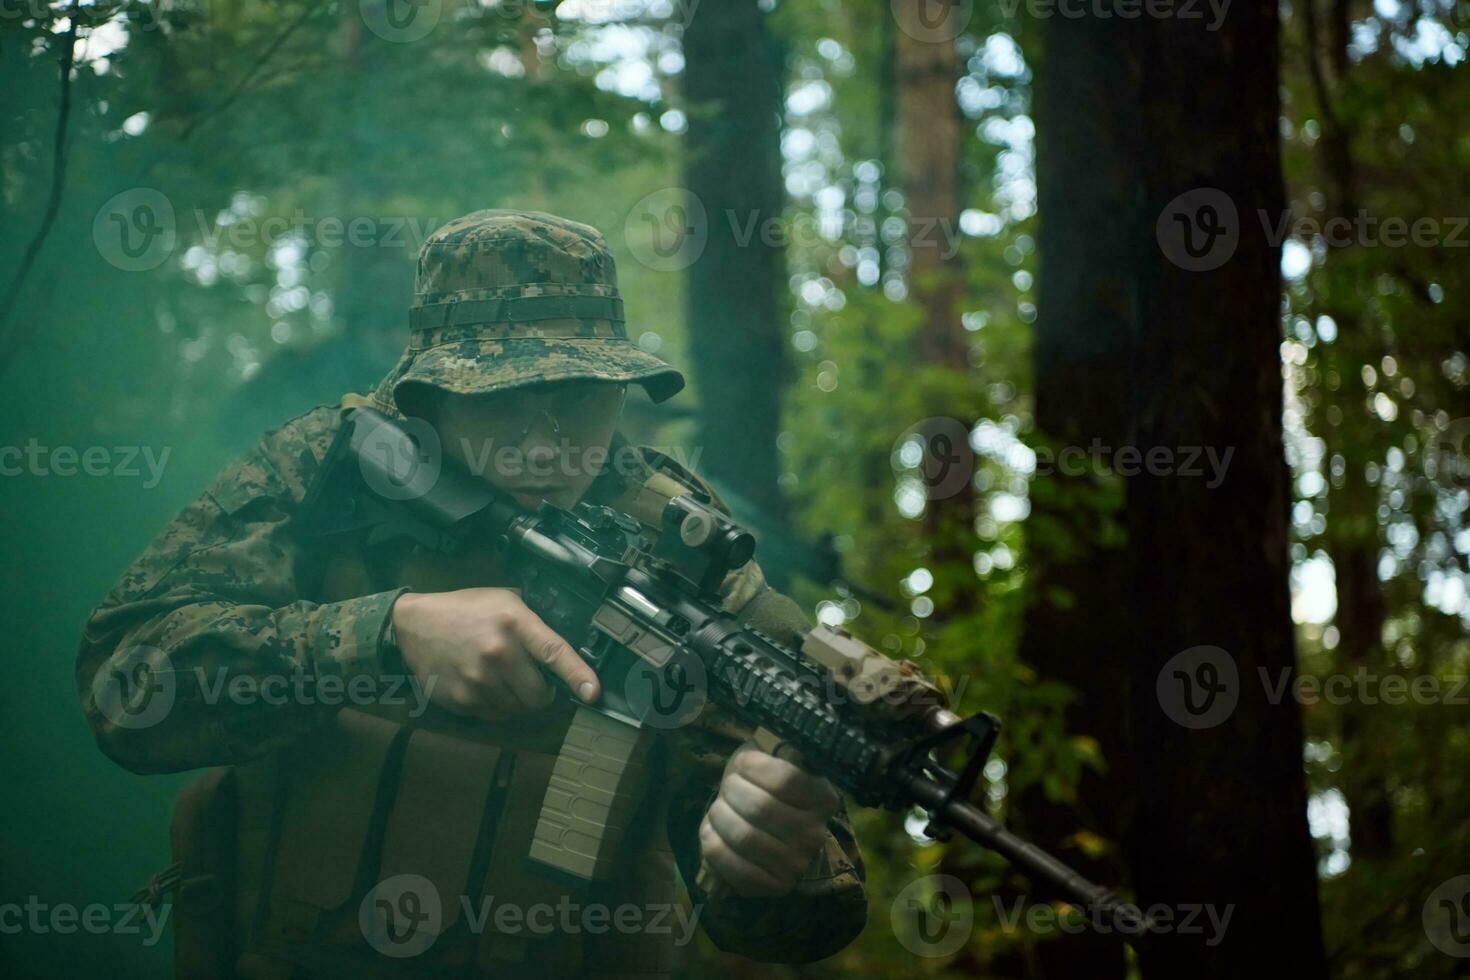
(828, 907)
(205, 652)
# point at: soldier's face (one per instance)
(543, 442)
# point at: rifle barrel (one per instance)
(966, 818)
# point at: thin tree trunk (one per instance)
(1360, 617)
(733, 84)
(929, 158)
(1355, 535)
(928, 154)
(376, 281)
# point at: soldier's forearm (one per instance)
(213, 682)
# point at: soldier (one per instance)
(348, 827)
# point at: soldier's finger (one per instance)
(544, 646)
(763, 809)
(787, 782)
(741, 875)
(749, 841)
(521, 677)
(490, 697)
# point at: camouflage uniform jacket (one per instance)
(234, 587)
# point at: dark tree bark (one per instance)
(1079, 628)
(1133, 348)
(733, 85)
(1222, 809)
(1360, 619)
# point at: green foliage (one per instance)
(1375, 358)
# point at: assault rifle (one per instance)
(646, 616)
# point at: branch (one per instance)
(58, 180)
(254, 70)
(1336, 140)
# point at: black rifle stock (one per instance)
(647, 617)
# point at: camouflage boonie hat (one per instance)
(509, 298)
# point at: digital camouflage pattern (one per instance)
(507, 298)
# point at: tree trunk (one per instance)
(1078, 628)
(1222, 807)
(1360, 616)
(929, 160)
(733, 85)
(928, 154)
(1355, 535)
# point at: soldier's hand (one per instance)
(766, 823)
(482, 648)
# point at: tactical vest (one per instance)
(299, 848)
